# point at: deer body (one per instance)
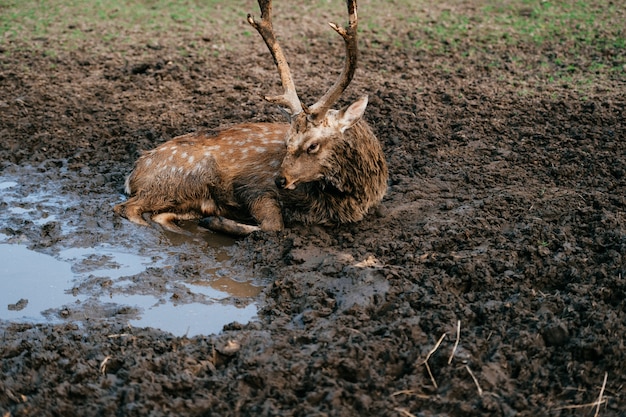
(324, 167)
(229, 174)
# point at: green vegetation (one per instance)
(590, 37)
(434, 27)
(44, 17)
(445, 25)
(69, 22)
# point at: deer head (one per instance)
(314, 130)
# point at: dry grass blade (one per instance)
(411, 392)
(103, 365)
(404, 412)
(118, 335)
(433, 350)
(480, 390)
(456, 342)
(597, 403)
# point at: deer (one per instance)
(324, 167)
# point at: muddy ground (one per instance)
(505, 219)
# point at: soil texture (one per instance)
(491, 281)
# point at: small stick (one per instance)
(597, 403)
(600, 401)
(404, 412)
(103, 365)
(456, 342)
(115, 336)
(433, 350)
(411, 392)
(577, 406)
(480, 390)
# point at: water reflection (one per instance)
(182, 284)
(33, 285)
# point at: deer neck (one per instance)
(359, 164)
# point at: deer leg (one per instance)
(166, 221)
(132, 211)
(266, 211)
(227, 226)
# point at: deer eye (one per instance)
(314, 147)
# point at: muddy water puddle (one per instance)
(93, 266)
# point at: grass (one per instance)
(590, 36)
(445, 24)
(504, 34)
(441, 27)
(69, 22)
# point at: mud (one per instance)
(504, 229)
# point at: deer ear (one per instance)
(351, 114)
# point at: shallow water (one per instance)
(96, 266)
(39, 280)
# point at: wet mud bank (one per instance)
(492, 281)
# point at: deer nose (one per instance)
(280, 182)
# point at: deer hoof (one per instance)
(227, 226)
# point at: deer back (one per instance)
(193, 169)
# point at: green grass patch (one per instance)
(569, 41)
(68, 22)
(459, 26)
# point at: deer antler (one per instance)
(290, 97)
(318, 110)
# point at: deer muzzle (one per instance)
(284, 184)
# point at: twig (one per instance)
(411, 392)
(404, 412)
(103, 365)
(432, 378)
(577, 406)
(456, 342)
(356, 331)
(480, 390)
(599, 400)
(118, 335)
(597, 403)
(433, 350)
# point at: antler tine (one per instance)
(321, 107)
(290, 97)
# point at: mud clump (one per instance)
(505, 212)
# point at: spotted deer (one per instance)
(324, 167)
